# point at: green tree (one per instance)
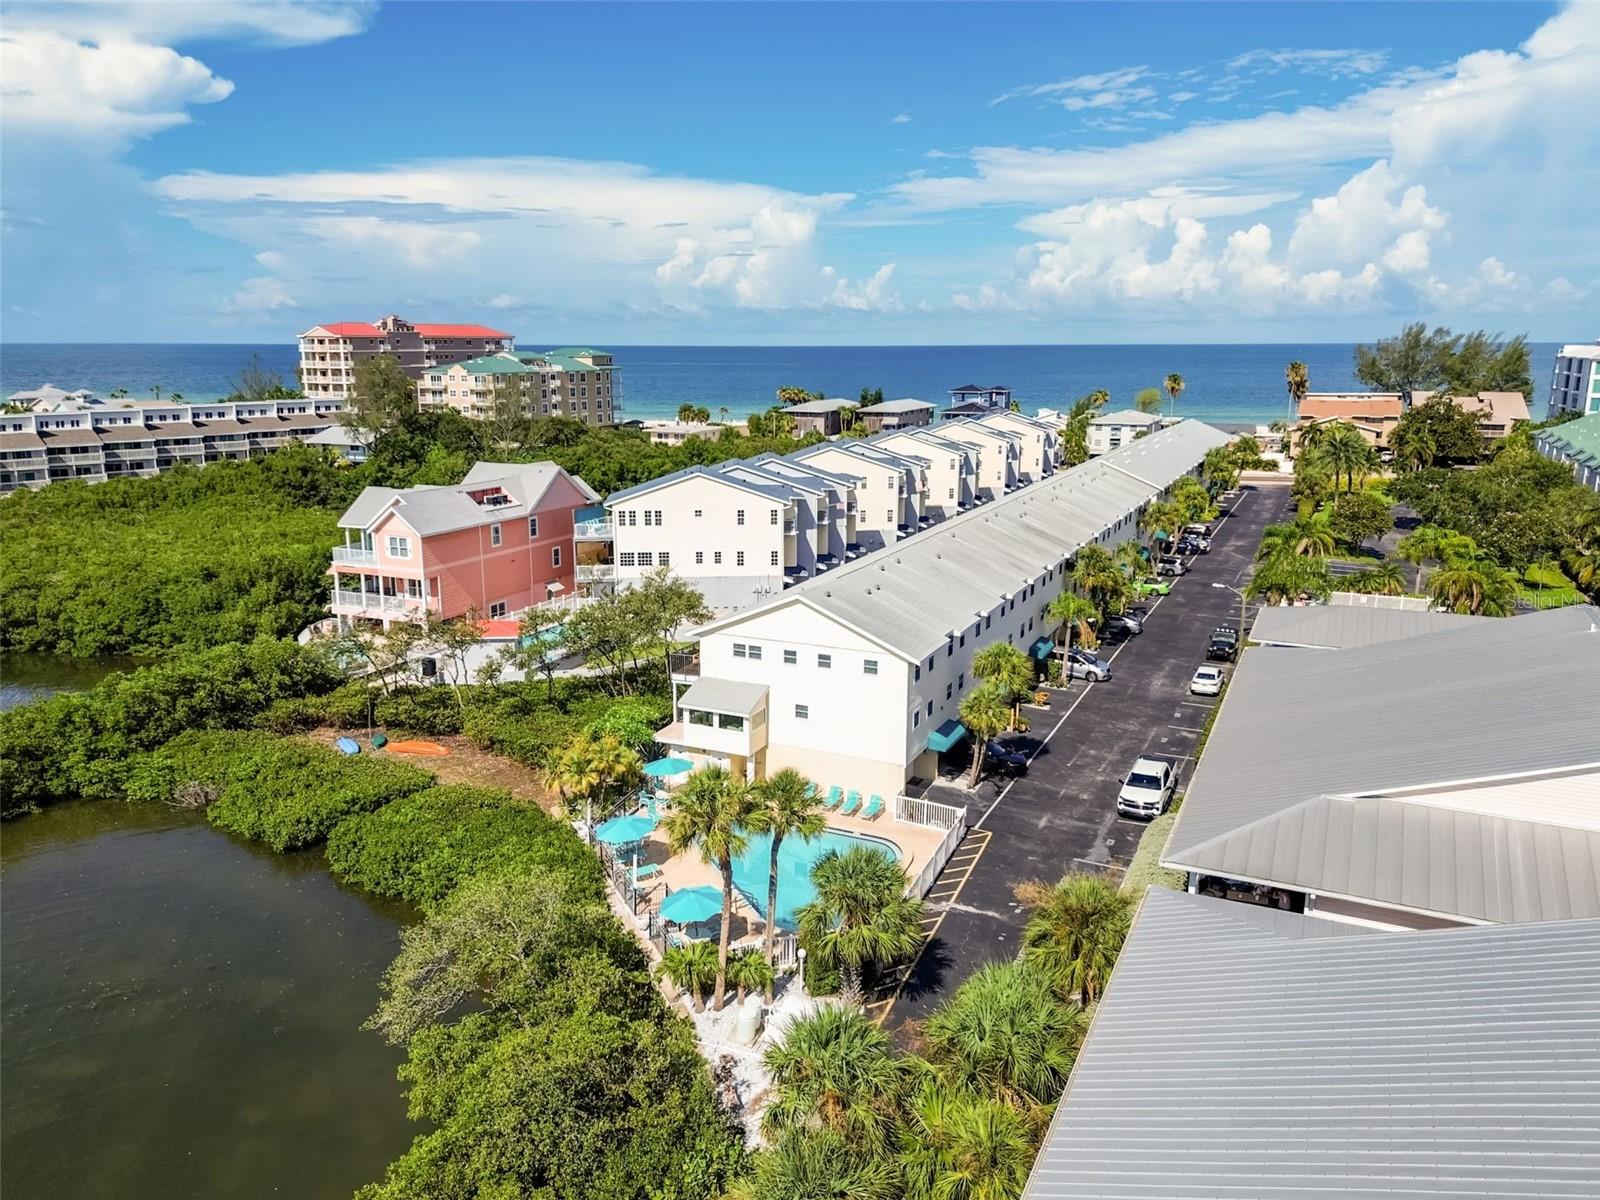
(1096, 576)
(798, 395)
(541, 635)
(1416, 359)
(834, 1072)
(1480, 588)
(1193, 500)
(663, 603)
(787, 805)
(1173, 386)
(1345, 452)
(380, 399)
(861, 917)
(589, 770)
(691, 968)
(818, 1165)
(957, 1146)
(1147, 400)
(1161, 519)
(1221, 469)
(693, 412)
(871, 396)
(1384, 579)
(749, 971)
(1436, 430)
(1288, 577)
(1075, 429)
(1008, 670)
(1298, 380)
(1075, 933)
(1071, 609)
(1358, 516)
(1007, 1035)
(711, 812)
(985, 712)
(1483, 362)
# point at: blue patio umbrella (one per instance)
(662, 767)
(689, 906)
(619, 831)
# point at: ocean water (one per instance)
(1235, 384)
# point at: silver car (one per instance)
(1083, 665)
(1127, 622)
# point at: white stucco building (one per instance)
(857, 675)
(1113, 429)
(1039, 443)
(1575, 381)
(999, 454)
(952, 467)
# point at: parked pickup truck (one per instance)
(1224, 644)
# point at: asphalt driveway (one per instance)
(1061, 815)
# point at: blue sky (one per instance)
(826, 173)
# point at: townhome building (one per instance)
(895, 414)
(1000, 459)
(886, 489)
(329, 353)
(859, 672)
(952, 467)
(115, 440)
(976, 400)
(582, 384)
(819, 416)
(1040, 443)
(1113, 429)
(494, 544)
(1575, 380)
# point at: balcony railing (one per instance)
(594, 572)
(372, 602)
(597, 530)
(355, 555)
(684, 664)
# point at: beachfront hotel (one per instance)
(574, 382)
(859, 672)
(496, 543)
(124, 439)
(1575, 381)
(329, 353)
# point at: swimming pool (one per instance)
(795, 858)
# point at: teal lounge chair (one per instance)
(850, 805)
(645, 871)
(873, 809)
(835, 794)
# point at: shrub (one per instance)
(288, 794)
(421, 846)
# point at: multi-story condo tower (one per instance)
(329, 353)
(579, 383)
(1575, 382)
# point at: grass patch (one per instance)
(1146, 870)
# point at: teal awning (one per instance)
(947, 735)
(1042, 649)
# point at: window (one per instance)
(947, 690)
(625, 559)
(802, 712)
(916, 673)
(738, 517)
(774, 558)
(889, 515)
(961, 681)
(774, 515)
(533, 527)
(399, 547)
(631, 517)
(699, 513)
(494, 535)
(414, 589)
(755, 652)
(790, 658)
(647, 558)
(729, 721)
(716, 557)
(741, 650)
(699, 557)
(497, 610)
(664, 559)
(697, 718)
(649, 517)
(738, 558)
(988, 621)
(555, 556)
(916, 719)
(825, 662)
(930, 708)
(869, 666)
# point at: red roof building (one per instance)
(329, 352)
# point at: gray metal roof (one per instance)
(897, 406)
(910, 596)
(1315, 774)
(819, 407)
(977, 425)
(771, 491)
(724, 695)
(1126, 416)
(1244, 1053)
(1339, 626)
(432, 509)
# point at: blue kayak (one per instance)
(348, 746)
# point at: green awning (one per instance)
(947, 735)
(1042, 649)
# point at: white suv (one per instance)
(1147, 790)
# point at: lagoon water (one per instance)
(1233, 384)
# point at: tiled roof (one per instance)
(459, 331)
(1344, 405)
(897, 406)
(350, 329)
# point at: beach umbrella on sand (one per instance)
(690, 906)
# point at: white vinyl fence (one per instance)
(948, 817)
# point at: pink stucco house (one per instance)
(495, 543)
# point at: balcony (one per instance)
(594, 572)
(598, 531)
(371, 602)
(684, 665)
(355, 556)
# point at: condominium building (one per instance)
(819, 416)
(329, 353)
(50, 398)
(494, 544)
(1575, 381)
(895, 414)
(1110, 430)
(579, 383)
(891, 489)
(1038, 443)
(975, 400)
(861, 670)
(952, 467)
(118, 440)
(1375, 414)
(999, 454)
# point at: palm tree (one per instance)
(1159, 518)
(1414, 445)
(834, 1071)
(817, 1166)
(711, 812)
(1147, 400)
(985, 712)
(786, 804)
(590, 767)
(722, 414)
(1134, 561)
(1221, 468)
(1009, 670)
(749, 971)
(1384, 579)
(1076, 932)
(1095, 575)
(1173, 386)
(1346, 452)
(691, 967)
(1287, 577)
(1310, 539)
(1075, 430)
(964, 1147)
(1299, 383)
(1069, 608)
(1480, 588)
(1006, 1034)
(861, 916)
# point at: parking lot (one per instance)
(1060, 816)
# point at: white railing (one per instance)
(375, 603)
(1364, 600)
(592, 529)
(923, 883)
(594, 572)
(354, 554)
(929, 812)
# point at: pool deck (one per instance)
(916, 844)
